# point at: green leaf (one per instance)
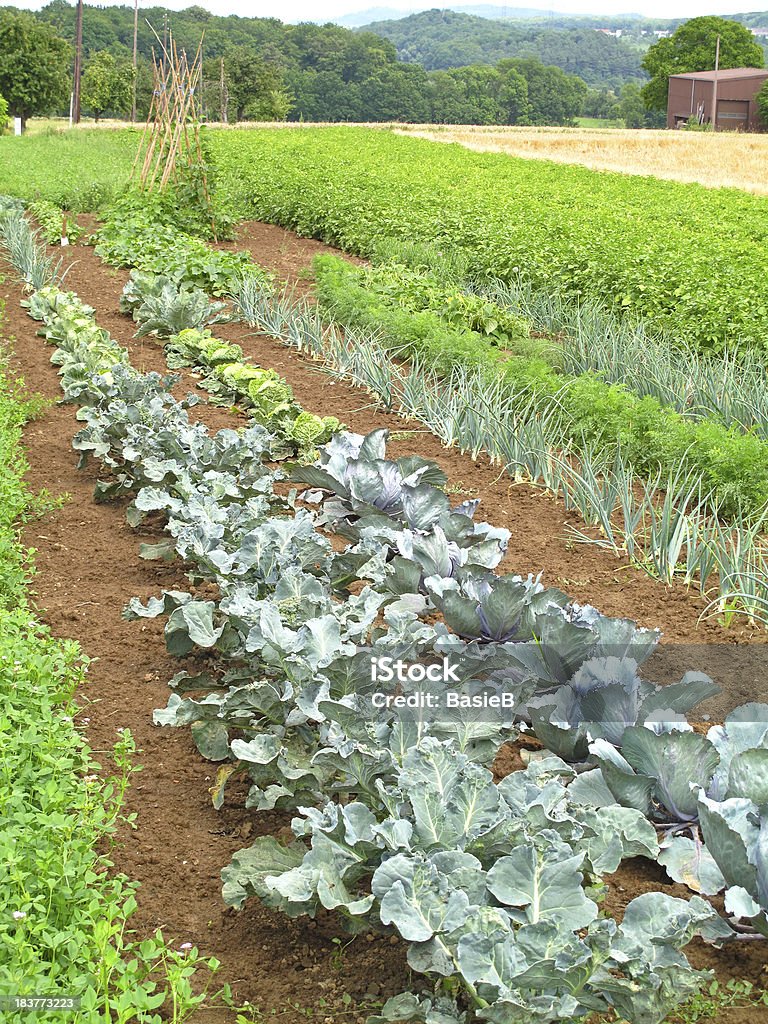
(547, 885)
(211, 739)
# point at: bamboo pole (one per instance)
(171, 140)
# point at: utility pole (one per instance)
(78, 63)
(135, 55)
(714, 86)
(223, 94)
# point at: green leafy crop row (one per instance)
(494, 889)
(268, 396)
(687, 259)
(733, 465)
(139, 234)
(15, 499)
(478, 883)
(420, 289)
(55, 224)
(59, 907)
(64, 911)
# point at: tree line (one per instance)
(261, 69)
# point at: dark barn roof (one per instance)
(725, 75)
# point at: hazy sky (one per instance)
(306, 10)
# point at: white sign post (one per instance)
(17, 126)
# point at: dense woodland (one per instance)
(261, 69)
(445, 39)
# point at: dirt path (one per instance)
(88, 568)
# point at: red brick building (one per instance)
(734, 90)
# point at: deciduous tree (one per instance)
(631, 106)
(34, 66)
(692, 48)
(553, 96)
(107, 84)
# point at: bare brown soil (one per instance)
(88, 568)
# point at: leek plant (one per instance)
(666, 525)
(670, 524)
(280, 314)
(730, 386)
(26, 252)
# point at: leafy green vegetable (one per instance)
(171, 310)
(54, 223)
(137, 233)
(310, 431)
(193, 347)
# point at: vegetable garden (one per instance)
(277, 457)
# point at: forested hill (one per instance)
(262, 69)
(441, 39)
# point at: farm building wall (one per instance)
(692, 95)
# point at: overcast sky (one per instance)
(319, 10)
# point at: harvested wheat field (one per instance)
(727, 159)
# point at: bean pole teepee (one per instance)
(170, 148)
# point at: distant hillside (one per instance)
(441, 39)
(372, 14)
(633, 24)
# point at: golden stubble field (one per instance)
(725, 159)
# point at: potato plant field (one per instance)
(384, 627)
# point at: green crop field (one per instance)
(503, 802)
(688, 260)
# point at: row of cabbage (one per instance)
(490, 885)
